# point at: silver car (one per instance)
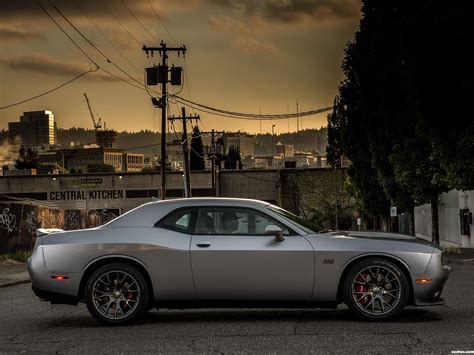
(223, 252)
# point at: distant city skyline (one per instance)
(243, 56)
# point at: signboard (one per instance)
(83, 195)
(393, 212)
(359, 221)
(345, 162)
(85, 183)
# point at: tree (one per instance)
(197, 151)
(233, 159)
(100, 168)
(394, 102)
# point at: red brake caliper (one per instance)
(362, 288)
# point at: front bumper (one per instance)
(429, 293)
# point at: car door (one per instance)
(233, 259)
(170, 263)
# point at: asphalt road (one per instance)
(27, 325)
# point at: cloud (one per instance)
(11, 35)
(11, 10)
(44, 64)
(294, 11)
(251, 45)
(227, 24)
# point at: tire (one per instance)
(376, 289)
(117, 294)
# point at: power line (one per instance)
(121, 25)
(106, 38)
(93, 45)
(251, 115)
(138, 20)
(162, 22)
(51, 90)
(72, 40)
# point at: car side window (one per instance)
(234, 221)
(180, 220)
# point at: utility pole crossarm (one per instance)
(163, 47)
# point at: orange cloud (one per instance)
(251, 45)
(44, 64)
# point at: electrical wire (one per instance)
(138, 20)
(106, 38)
(60, 27)
(162, 22)
(92, 44)
(121, 25)
(51, 90)
(81, 50)
(250, 115)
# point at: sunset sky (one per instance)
(243, 56)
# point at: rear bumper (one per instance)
(47, 288)
(54, 297)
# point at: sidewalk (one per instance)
(13, 273)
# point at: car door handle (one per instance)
(203, 245)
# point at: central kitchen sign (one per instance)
(74, 195)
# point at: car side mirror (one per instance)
(272, 229)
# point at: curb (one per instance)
(14, 283)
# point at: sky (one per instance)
(251, 56)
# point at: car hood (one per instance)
(384, 236)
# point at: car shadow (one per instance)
(409, 315)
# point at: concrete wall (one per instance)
(19, 221)
(257, 184)
(449, 221)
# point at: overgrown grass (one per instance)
(22, 256)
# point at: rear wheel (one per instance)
(376, 289)
(116, 294)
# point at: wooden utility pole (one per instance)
(213, 159)
(163, 50)
(184, 144)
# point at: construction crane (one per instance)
(97, 124)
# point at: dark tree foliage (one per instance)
(197, 151)
(401, 111)
(233, 159)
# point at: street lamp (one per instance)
(273, 146)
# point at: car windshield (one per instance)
(301, 223)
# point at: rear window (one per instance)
(180, 220)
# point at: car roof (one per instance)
(199, 201)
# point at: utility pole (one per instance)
(273, 146)
(184, 144)
(213, 159)
(157, 75)
(297, 118)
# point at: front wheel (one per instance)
(376, 289)
(116, 294)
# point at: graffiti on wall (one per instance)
(7, 220)
(18, 223)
